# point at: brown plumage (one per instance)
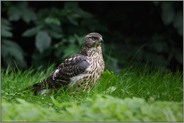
(79, 71)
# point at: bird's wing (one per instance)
(72, 66)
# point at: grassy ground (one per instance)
(132, 95)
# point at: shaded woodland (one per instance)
(41, 33)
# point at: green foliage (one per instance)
(25, 111)
(143, 83)
(32, 31)
(43, 41)
(63, 28)
(98, 108)
(11, 52)
(21, 11)
(136, 94)
(154, 39)
(5, 28)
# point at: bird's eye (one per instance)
(94, 38)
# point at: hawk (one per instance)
(79, 71)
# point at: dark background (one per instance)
(135, 33)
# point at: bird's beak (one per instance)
(101, 40)
(98, 42)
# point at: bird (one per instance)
(78, 72)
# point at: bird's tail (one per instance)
(35, 88)
(42, 87)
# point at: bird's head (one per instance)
(93, 40)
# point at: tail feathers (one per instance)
(42, 87)
(36, 88)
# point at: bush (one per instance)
(58, 33)
(98, 108)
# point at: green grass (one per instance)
(133, 95)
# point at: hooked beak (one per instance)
(101, 40)
(97, 43)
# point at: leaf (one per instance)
(14, 13)
(5, 28)
(43, 41)
(55, 34)
(28, 15)
(55, 31)
(4, 32)
(21, 10)
(32, 31)
(5, 21)
(50, 20)
(11, 50)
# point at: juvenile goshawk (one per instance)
(79, 71)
